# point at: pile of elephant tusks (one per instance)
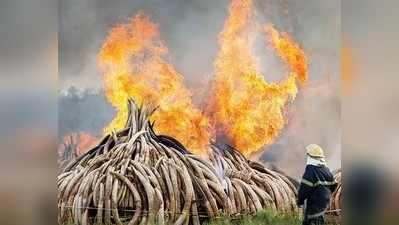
(135, 176)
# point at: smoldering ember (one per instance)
(162, 159)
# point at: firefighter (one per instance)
(316, 186)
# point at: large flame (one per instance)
(244, 107)
(132, 60)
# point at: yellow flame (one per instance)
(244, 107)
(289, 52)
(133, 65)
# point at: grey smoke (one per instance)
(83, 111)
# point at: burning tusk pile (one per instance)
(335, 203)
(135, 176)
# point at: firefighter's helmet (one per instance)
(314, 150)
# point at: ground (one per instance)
(266, 217)
(263, 218)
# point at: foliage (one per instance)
(262, 218)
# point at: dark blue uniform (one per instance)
(316, 187)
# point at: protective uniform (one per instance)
(316, 187)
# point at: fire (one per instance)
(133, 63)
(289, 52)
(244, 107)
(78, 143)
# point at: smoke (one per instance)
(190, 30)
(313, 118)
(83, 111)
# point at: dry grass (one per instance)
(262, 218)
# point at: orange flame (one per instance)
(79, 142)
(132, 60)
(244, 107)
(289, 52)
